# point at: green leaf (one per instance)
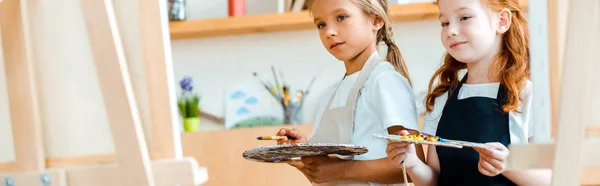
(188, 104)
(181, 105)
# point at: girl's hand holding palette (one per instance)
(430, 140)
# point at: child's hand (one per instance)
(298, 136)
(492, 160)
(297, 164)
(321, 169)
(401, 152)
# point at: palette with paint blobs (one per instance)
(429, 140)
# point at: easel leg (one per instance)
(24, 112)
(557, 14)
(576, 89)
(156, 49)
(124, 118)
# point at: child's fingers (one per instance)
(403, 132)
(497, 146)
(310, 174)
(494, 153)
(290, 136)
(483, 170)
(399, 151)
(283, 141)
(396, 144)
(398, 159)
(308, 160)
(391, 148)
(498, 164)
(310, 168)
(398, 154)
(295, 133)
(298, 165)
(282, 132)
(486, 169)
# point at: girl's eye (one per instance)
(320, 25)
(445, 24)
(341, 17)
(464, 18)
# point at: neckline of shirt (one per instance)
(374, 56)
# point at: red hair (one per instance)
(510, 66)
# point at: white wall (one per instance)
(72, 109)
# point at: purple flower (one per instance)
(186, 84)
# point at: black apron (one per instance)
(476, 119)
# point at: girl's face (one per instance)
(345, 30)
(469, 30)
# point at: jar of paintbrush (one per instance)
(291, 103)
(292, 108)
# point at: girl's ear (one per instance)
(504, 20)
(377, 23)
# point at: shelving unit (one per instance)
(286, 21)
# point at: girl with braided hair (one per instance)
(374, 95)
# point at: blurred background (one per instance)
(240, 68)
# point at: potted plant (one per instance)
(188, 104)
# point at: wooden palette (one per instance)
(287, 153)
(441, 142)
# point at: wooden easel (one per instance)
(574, 156)
(134, 166)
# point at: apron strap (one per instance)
(360, 82)
(333, 94)
(355, 91)
(453, 93)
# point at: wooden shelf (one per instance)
(286, 21)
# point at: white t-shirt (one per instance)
(518, 123)
(386, 100)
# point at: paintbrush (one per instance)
(404, 174)
(264, 83)
(286, 89)
(276, 82)
(299, 96)
(286, 95)
(302, 94)
(273, 137)
(283, 82)
(312, 81)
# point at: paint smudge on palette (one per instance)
(288, 152)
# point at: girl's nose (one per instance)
(331, 31)
(452, 31)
